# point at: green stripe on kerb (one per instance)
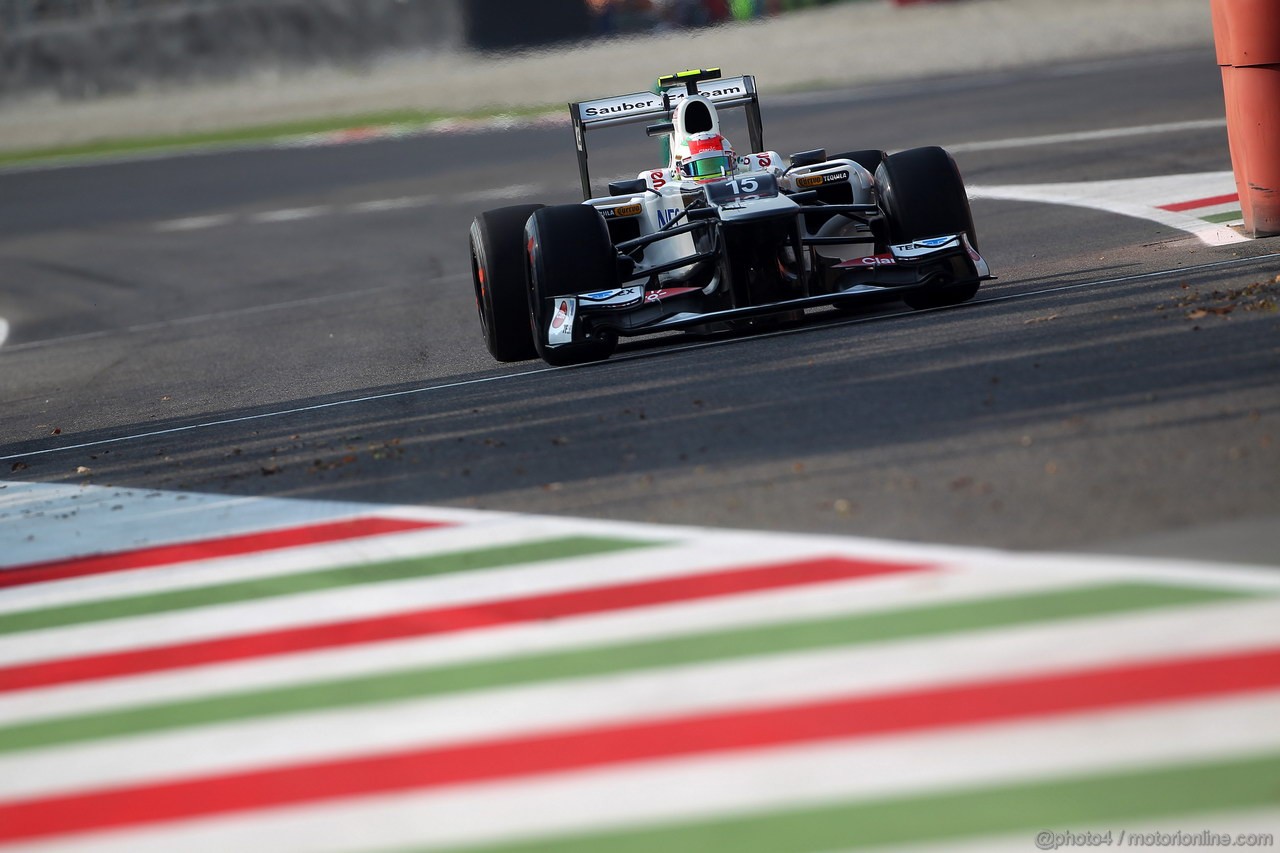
(849, 630)
(1219, 218)
(1027, 807)
(252, 590)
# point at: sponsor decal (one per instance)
(562, 314)
(722, 89)
(619, 297)
(665, 216)
(806, 181)
(627, 210)
(561, 331)
(924, 247)
(620, 106)
(701, 146)
(667, 293)
(756, 161)
(869, 261)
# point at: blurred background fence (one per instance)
(87, 48)
(17, 16)
(607, 16)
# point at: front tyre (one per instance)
(498, 276)
(569, 252)
(922, 196)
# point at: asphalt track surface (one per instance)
(307, 329)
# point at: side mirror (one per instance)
(632, 187)
(661, 129)
(808, 158)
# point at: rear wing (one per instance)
(640, 107)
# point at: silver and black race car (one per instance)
(716, 239)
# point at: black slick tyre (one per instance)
(923, 196)
(498, 276)
(569, 252)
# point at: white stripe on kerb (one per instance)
(740, 783)
(759, 681)
(754, 610)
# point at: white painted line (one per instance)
(385, 204)
(291, 214)
(513, 191)
(504, 377)
(1086, 136)
(4, 331)
(195, 223)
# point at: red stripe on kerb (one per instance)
(445, 620)
(1200, 202)
(888, 714)
(208, 549)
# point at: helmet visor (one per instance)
(706, 168)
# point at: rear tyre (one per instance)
(923, 196)
(569, 252)
(498, 276)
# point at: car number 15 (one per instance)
(744, 188)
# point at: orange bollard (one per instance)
(1246, 34)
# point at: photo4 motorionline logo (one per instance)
(1049, 840)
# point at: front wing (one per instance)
(639, 310)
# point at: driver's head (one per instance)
(709, 158)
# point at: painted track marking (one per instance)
(1164, 200)
(1139, 686)
(1087, 136)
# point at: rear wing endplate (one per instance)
(649, 106)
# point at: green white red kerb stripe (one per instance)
(201, 673)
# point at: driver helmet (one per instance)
(710, 158)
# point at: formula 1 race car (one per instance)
(718, 240)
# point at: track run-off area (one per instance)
(288, 563)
